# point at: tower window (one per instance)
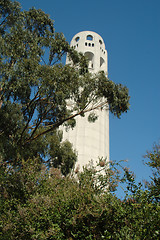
(85, 43)
(92, 44)
(90, 57)
(89, 44)
(101, 62)
(77, 39)
(100, 41)
(89, 37)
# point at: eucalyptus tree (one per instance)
(35, 86)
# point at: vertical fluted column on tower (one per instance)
(91, 140)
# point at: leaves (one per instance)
(42, 204)
(41, 92)
(40, 196)
(154, 162)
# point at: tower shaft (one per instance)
(90, 140)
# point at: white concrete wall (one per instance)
(91, 140)
(94, 48)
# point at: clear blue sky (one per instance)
(131, 32)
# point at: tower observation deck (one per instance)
(90, 140)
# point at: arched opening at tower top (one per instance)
(77, 39)
(102, 63)
(89, 37)
(90, 57)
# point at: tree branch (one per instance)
(40, 121)
(56, 125)
(30, 103)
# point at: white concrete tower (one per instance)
(91, 140)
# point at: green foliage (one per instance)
(37, 203)
(36, 88)
(154, 162)
(63, 157)
(38, 94)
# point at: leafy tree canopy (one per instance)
(35, 87)
(37, 203)
(154, 162)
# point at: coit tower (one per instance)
(90, 140)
